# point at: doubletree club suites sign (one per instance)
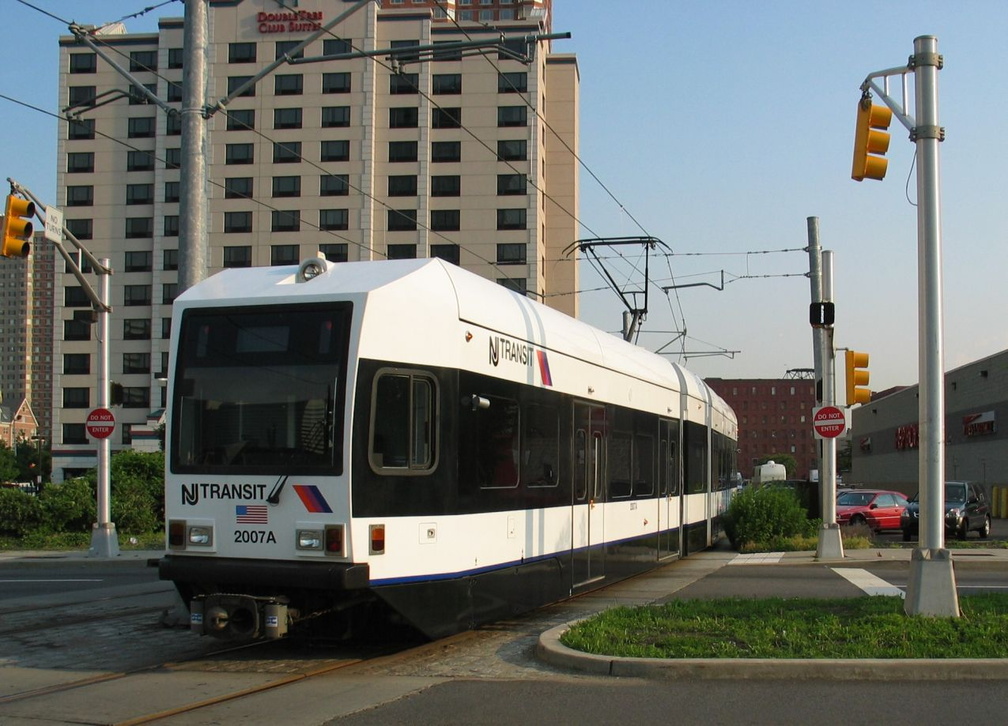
(294, 21)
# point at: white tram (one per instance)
(408, 437)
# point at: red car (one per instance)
(879, 509)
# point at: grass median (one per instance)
(861, 627)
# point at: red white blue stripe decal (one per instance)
(544, 371)
(312, 498)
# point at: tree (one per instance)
(8, 463)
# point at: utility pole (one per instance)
(931, 589)
(193, 244)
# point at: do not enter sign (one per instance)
(100, 423)
(829, 422)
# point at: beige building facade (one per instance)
(415, 152)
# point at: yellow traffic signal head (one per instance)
(15, 230)
(871, 141)
(857, 377)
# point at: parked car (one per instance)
(878, 508)
(966, 509)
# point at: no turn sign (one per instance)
(829, 422)
(100, 423)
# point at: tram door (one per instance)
(587, 512)
(670, 492)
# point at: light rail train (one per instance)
(406, 438)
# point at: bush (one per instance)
(70, 506)
(765, 514)
(20, 513)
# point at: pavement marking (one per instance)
(757, 558)
(870, 584)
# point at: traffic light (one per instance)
(871, 141)
(16, 232)
(857, 377)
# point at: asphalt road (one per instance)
(44, 575)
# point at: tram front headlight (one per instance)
(200, 536)
(309, 539)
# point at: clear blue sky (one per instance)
(720, 126)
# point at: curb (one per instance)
(550, 650)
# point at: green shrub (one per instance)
(765, 514)
(20, 513)
(70, 506)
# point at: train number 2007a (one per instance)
(254, 536)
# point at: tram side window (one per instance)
(696, 463)
(620, 451)
(498, 444)
(403, 415)
(541, 446)
(643, 463)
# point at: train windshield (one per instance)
(260, 390)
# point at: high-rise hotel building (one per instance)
(468, 157)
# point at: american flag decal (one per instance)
(251, 514)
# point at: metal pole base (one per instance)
(104, 541)
(830, 542)
(931, 589)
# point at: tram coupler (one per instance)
(239, 617)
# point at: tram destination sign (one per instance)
(829, 422)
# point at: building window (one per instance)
(288, 84)
(139, 161)
(76, 364)
(76, 398)
(76, 330)
(402, 186)
(238, 256)
(445, 220)
(80, 162)
(80, 228)
(404, 52)
(78, 129)
(138, 261)
(288, 152)
(335, 251)
(335, 116)
(335, 151)
(285, 220)
(74, 433)
(286, 186)
(284, 255)
(512, 116)
(446, 151)
(165, 328)
(80, 196)
(81, 95)
(173, 158)
(143, 60)
(338, 46)
(140, 128)
(171, 225)
(241, 52)
(334, 185)
(514, 285)
(139, 193)
(447, 54)
(236, 82)
(83, 63)
(172, 190)
(240, 119)
(75, 297)
(446, 252)
(173, 124)
(139, 227)
(446, 118)
(287, 118)
(511, 254)
(446, 83)
(237, 222)
(170, 259)
(137, 97)
(238, 187)
(136, 295)
(135, 397)
(136, 362)
(402, 151)
(404, 83)
(335, 83)
(239, 153)
(512, 150)
(404, 117)
(402, 220)
(284, 48)
(511, 184)
(175, 58)
(402, 252)
(175, 96)
(334, 219)
(446, 186)
(511, 218)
